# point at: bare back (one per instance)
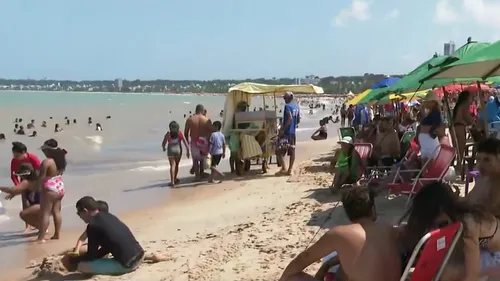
(199, 126)
(369, 252)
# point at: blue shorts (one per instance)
(106, 266)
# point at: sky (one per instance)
(232, 39)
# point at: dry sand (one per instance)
(249, 231)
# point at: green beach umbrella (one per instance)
(478, 66)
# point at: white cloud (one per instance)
(483, 12)
(393, 14)
(359, 11)
(445, 13)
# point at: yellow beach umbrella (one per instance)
(359, 97)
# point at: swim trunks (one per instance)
(199, 148)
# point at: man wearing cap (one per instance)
(291, 119)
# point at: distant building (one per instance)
(119, 84)
(449, 48)
(309, 79)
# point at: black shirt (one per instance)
(108, 235)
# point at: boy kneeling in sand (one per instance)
(103, 207)
(365, 242)
(107, 235)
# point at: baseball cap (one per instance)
(347, 140)
(288, 95)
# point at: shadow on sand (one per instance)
(388, 209)
(12, 238)
(61, 277)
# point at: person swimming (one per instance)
(33, 134)
(31, 125)
(74, 121)
(21, 131)
(44, 124)
(2, 136)
(89, 121)
(98, 127)
(16, 127)
(108, 117)
(57, 128)
(68, 122)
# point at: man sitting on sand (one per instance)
(197, 131)
(366, 249)
(106, 235)
(102, 207)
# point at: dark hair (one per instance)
(87, 202)
(217, 125)
(432, 200)
(56, 153)
(2, 136)
(199, 109)
(27, 171)
(358, 202)
(489, 146)
(19, 147)
(102, 206)
(462, 98)
(173, 128)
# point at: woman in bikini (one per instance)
(172, 144)
(435, 205)
(51, 183)
(27, 186)
(461, 119)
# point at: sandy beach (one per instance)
(239, 230)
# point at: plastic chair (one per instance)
(434, 170)
(438, 246)
(347, 132)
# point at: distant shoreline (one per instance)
(164, 93)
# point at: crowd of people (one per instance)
(384, 249)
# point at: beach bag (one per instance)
(207, 161)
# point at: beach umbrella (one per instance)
(357, 98)
(386, 82)
(479, 65)
(473, 88)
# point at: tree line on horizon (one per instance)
(330, 84)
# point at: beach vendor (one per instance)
(366, 242)
(348, 165)
(287, 137)
(106, 235)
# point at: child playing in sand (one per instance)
(217, 148)
(103, 207)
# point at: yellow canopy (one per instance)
(262, 89)
(359, 97)
(407, 96)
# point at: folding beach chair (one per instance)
(437, 247)
(347, 132)
(433, 170)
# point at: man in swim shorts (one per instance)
(197, 131)
(366, 249)
(106, 235)
(287, 137)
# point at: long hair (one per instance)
(428, 204)
(52, 150)
(173, 129)
(462, 98)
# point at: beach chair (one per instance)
(433, 170)
(347, 132)
(434, 249)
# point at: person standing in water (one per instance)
(172, 144)
(20, 156)
(51, 182)
(197, 130)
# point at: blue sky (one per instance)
(200, 39)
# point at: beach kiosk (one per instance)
(254, 132)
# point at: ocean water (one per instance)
(106, 164)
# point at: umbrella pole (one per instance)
(451, 128)
(418, 89)
(483, 108)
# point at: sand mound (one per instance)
(50, 266)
